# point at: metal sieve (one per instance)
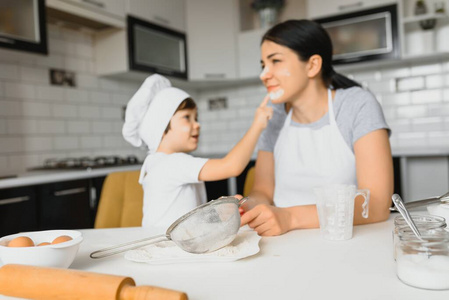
(206, 228)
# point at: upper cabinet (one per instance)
(212, 39)
(250, 34)
(97, 14)
(324, 8)
(23, 25)
(168, 13)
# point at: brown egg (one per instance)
(44, 244)
(61, 239)
(21, 241)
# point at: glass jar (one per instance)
(424, 263)
(422, 221)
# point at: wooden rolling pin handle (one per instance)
(55, 284)
(129, 292)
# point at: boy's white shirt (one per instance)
(171, 187)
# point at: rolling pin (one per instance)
(52, 283)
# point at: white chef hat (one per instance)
(150, 110)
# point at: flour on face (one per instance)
(276, 94)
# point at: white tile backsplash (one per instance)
(9, 71)
(51, 126)
(41, 121)
(50, 93)
(20, 90)
(427, 96)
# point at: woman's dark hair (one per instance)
(188, 103)
(307, 38)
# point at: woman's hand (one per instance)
(267, 220)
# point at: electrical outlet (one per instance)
(62, 77)
(218, 103)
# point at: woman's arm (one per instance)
(374, 169)
(374, 166)
(237, 159)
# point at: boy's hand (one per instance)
(263, 114)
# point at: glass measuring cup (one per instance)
(335, 205)
(206, 228)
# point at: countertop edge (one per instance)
(42, 177)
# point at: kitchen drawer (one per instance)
(18, 210)
(65, 205)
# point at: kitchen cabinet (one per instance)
(324, 8)
(97, 14)
(212, 39)
(64, 205)
(424, 176)
(418, 41)
(23, 25)
(250, 34)
(167, 13)
(18, 210)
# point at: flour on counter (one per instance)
(245, 244)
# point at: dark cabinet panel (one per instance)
(18, 210)
(216, 189)
(65, 205)
(96, 187)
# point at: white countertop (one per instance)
(41, 177)
(297, 265)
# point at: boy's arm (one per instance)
(236, 160)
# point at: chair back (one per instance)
(249, 182)
(121, 201)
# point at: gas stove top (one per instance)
(88, 162)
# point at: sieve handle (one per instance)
(243, 200)
(129, 246)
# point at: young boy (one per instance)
(166, 120)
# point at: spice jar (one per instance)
(422, 221)
(424, 263)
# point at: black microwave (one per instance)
(156, 49)
(365, 35)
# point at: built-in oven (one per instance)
(364, 35)
(23, 25)
(156, 49)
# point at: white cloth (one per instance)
(305, 158)
(150, 110)
(171, 187)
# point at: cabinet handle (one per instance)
(215, 75)
(6, 40)
(96, 3)
(162, 20)
(14, 200)
(349, 6)
(70, 192)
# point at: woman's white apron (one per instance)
(305, 158)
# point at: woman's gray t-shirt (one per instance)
(356, 110)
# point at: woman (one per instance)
(325, 129)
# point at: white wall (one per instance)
(40, 121)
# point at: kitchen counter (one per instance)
(49, 176)
(297, 265)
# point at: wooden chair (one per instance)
(121, 201)
(249, 182)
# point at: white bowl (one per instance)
(57, 255)
(441, 210)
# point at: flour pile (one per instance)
(245, 244)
